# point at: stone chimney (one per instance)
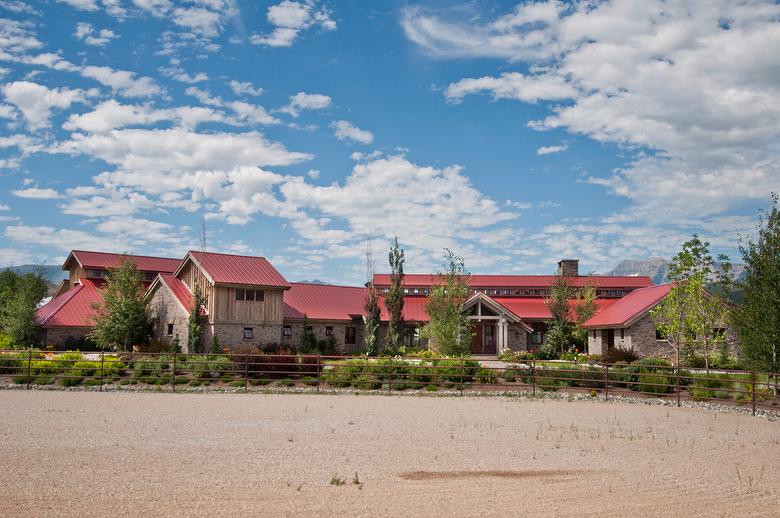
(569, 267)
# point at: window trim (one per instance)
(329, 331)
(287, 331)
(250, 335)
(240, 294)
(169, 329)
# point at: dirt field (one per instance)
(123, 454)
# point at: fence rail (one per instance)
(169, 371)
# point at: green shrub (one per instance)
(432, 388)
(71, 381)
(21, 380)
(517, 356)
(511, 374)
(147, 365)
(426, 354)
(226, 378)
(487, 376)
(286, 382)
(621, 355)
(652, 382)
(43, 380)
(11, 363)
(712, 386)
(237, 383)
(92, 383)
(128, 382)
(368, 382)
(255, 382)
(308, 380)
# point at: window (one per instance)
(406, 291)
(350, 335)
(425, 290)
(417, 291)
(248, 333)
(249, 295)
(622, 333)
(328, 330)
(287, 331)
(259, 295)
(169, 330)
(239, 294)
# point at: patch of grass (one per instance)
(448, 384)
(237, 383)
(43, 380)
(286, 382)
(182, 381)
(336, 481)
(226, 378)
(21, 380)
(128, 382)
(487, 376)
(257, 382)
(92, 383)
(72, 381)
(368, 382)
(432, 388)
(194, 383)
(310, 381)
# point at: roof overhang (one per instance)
(497, 307)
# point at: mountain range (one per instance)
(657, 267)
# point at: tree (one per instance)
(560, 332)
(757, 319)
(584, 310)
(308, 338)
(448, 327)
(195, 323)
(372, 319)
(691, 317)
(122, 317)
(20, 296)
(215, 347)
(394, 300)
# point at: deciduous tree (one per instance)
(20, 296)
(195, 322)
(394, 300)
(448, 326)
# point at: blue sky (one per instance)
(513, 133)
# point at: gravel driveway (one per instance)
(145, 454)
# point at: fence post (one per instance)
(319, 368)
(246, 372)
(173, 379)
(753, 390)
(606, 381)
(533, 377)
(102, 354)
(677, 382)
(462, 369)
(29, 367)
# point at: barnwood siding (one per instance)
(191, 275)
(249, 312)
(76, 272)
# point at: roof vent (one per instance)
(569, 267)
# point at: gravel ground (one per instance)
(132, 454)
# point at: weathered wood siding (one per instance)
(228, 309)
(192, 276)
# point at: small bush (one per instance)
(621, 355)
(92, 383)
(308, 380)
(713, 386)
(71, 381)
(43, 380)
(194, 383)
(226, 378)
(368, 382)
(432, 388)
(651, 382)
(486, 376)
(237, 383)
(517, 356)
(21, 380)
(286, 382)
(128, 382)
(256, 382)
(11, 363)
(511, 374)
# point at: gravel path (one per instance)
(133, 454)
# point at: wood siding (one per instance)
(191, 276)
(228, 309)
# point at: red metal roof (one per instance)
(522, 281)
(536, 309)
(105, 260)
(179, 290)
(323, 301)
(414, 309)
(74, 308)
(630, 307)
(238, 269)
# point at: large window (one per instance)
(250, 295)
(350, 335)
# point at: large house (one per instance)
(249, 303)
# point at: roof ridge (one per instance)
(328, 285)
(66, 297)
(527, 275)
(230, 255)
(126, 254)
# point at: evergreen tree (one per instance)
(372, 319)
(215, 347)
(448, 326)
(394, 300)
(122, 317)
(308, 338)
(195, 323)
(758, 317)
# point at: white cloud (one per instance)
(3, 206)
(86, 33)
(290, 18)
(694, 99)
(547, 150)
(156, 8)
(36, 102)
(16, 38)
(303, 101)
(347, 130)
(314, 174)
(179, 74)
(35, 193)
(203, 96)
(122, 82)
(245, 88)
(252, 113)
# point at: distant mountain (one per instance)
(52, 274)
(313, 281)
(656, 268)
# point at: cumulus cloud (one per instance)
(548, 150)
(290, 18)
(245, 88)
(35, 193)
(346, 130)
(303, 101)
(694, 98)
(86, 33)
(36, 102)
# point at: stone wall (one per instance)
(517, 338)
(231, 336)
(319, 328)
(165, 309)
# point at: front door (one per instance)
(476, 337)
(610, 339)
(489, 343)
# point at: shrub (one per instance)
(92, 383)
(308, 380)
(194, 383)
(11, 363)
(368, 382)
(651, 382)
(271, 365)
(511, 374)
(128, 382)
(43, 380)
(432, 388)
(146, 365)
(71, 381)
(287, 382)
(487, 376)
(237, 383)
(517, 356)
(426, 354)
(20, 380)
(711, 386)
(621, 355)
(226, 378)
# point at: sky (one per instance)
(514, 134)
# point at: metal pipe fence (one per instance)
(168, 371)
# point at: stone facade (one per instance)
(231, 335)
(320, 332)
(170, 319)
(517, 337)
